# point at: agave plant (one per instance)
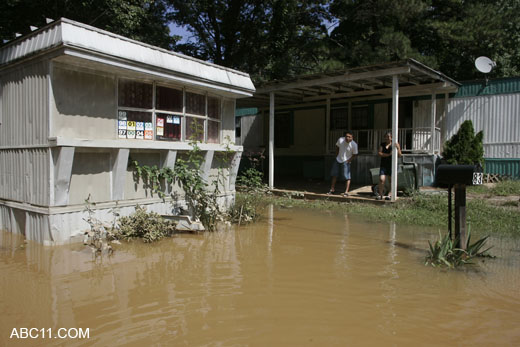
(444, 252)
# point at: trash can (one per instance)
(406, 179)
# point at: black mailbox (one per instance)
(449, 175)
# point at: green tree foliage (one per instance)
(269, 39)
(375, 31)
(445, 34)
(142, 20)
(465, 147)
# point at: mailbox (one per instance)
(449, 175)
(458, 176)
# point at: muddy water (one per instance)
(298, 278)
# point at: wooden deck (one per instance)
(357, 194)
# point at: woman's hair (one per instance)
(389, 133)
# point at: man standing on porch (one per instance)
(346, 151)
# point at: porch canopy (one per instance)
(395, 79)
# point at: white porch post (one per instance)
(271, 140)
(442, 136)
(395, 122)
(432, 118)
(327, 126)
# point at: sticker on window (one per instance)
(130, 125)
(160, 122)
(121, 124)
(139, 126)
(139, 134)
(160, 131)
(148, 134)
(130, 134)
(122, 115)
(169, 119)
(176, 120)
(122, 133)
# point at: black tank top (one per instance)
(386, 162)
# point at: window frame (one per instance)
(184, 114)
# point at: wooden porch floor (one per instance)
(317, 190)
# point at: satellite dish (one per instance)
(484, 64)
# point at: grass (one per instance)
(503, 188)
(422, 210)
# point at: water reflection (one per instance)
(296, 278)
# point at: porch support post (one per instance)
(432, 118)
(168, 160)
(271, 140)
(63, 159)
(327, 126)
(119, 173)
(233, 170)
(443, 123)
(395, 134)
(206, 165)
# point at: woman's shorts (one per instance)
(385, 171)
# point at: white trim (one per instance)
(136, 144)
(183, 80)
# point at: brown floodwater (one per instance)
(296, 278)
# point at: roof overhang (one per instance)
(368, 82)
(73, 42)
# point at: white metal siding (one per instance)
(46, 38)
(497, 115)
(24, 175)
(25, 106)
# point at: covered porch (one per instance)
(407, 98)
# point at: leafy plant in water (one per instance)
(202, 202)
(100, 236)
(149, 226)
(444, 252)
(247, 204)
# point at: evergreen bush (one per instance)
(465, 147)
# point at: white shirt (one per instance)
(346, 150)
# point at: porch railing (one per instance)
(411, 139)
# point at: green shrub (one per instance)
(465, 147)
(149, 226)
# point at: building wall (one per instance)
(252, 131)
(24, 113)
(381, 116)
(497, 115)
(309, 131)
(25, 175)
(83, 104)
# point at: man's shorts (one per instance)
(340, 170)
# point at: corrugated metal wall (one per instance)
(497, 115)
(25, 106)
(25, 175)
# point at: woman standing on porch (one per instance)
(385, 168)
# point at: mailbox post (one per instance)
(458, 177)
